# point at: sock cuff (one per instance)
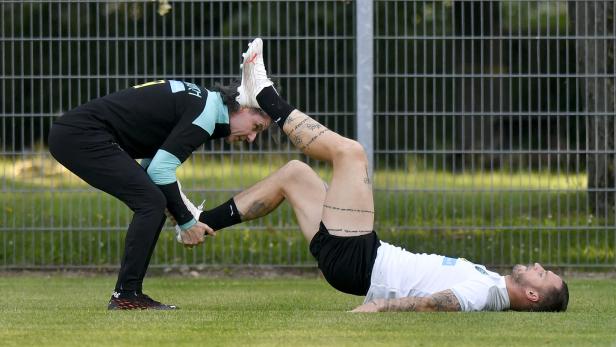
(275, 106)
(221, 216)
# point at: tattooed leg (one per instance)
(295, 182)
(349, 206)
(348, 209)
(310, 136)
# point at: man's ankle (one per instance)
(124, 293)
(275, 106)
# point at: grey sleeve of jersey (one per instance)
(498, 299)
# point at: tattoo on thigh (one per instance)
(347, 209)
(350, 230)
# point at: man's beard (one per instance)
(516, 274)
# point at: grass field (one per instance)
(61, 310)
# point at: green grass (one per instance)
(70, 311)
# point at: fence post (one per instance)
(365, 78)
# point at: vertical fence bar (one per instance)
(3, 96)
(365, 77)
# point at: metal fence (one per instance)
(491, 123)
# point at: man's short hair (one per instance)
(555, 299)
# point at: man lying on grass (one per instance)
(338, 222)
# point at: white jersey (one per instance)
(398, 273)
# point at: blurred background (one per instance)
(490, 124)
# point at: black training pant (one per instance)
(93, 155)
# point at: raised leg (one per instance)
(348, 208)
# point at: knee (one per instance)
(159, 201)
(296, 178)
(349, 149)
(294, 170)
(154, 202)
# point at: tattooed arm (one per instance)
(441, 301)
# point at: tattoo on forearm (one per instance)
(402, 304)
(350, 230)
(347, 209)
(410, 306)
(445, 301)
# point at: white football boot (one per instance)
(254, 76)
(194, 210)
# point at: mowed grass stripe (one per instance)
(70, 311)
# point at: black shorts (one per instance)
(346, 262)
